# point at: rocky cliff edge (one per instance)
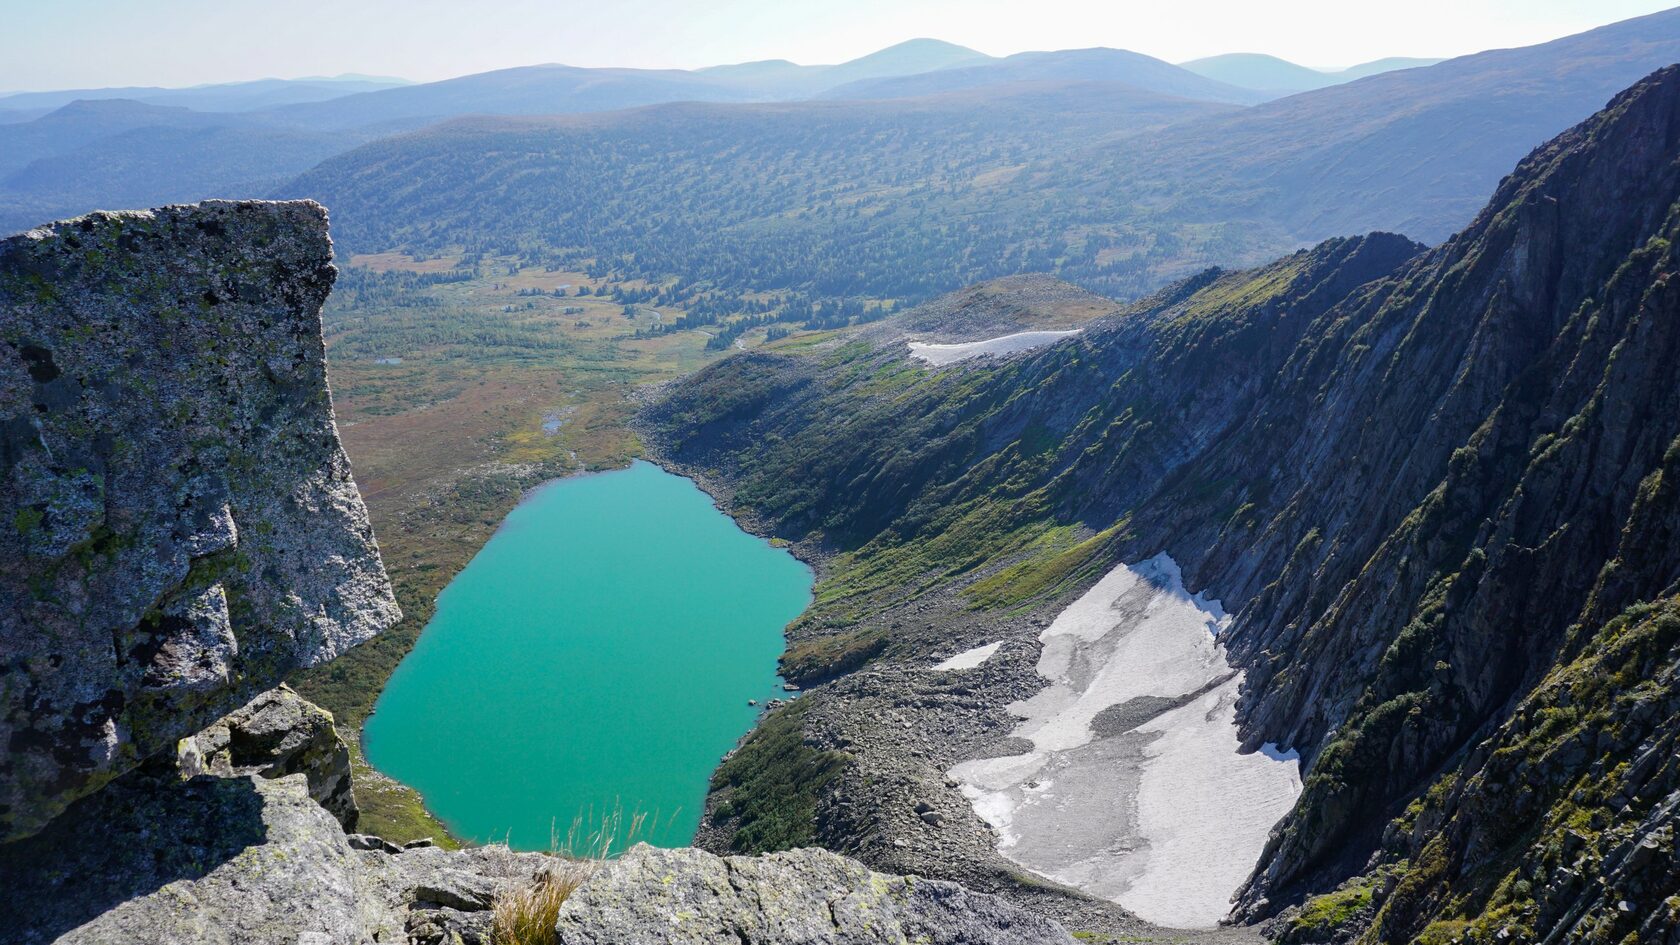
(178, 525)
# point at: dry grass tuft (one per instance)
(528, 913)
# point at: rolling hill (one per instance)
(1073, 65)
(222, 97)
(884, 200)
(779, 79)
(106, 153)
(64, 153)
(1413, 151)
(901, 199)
(557, 89)
(1260, 72)
(1265, 73)
(527, 90)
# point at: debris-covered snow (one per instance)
(968, 659)
(1134, 790)
(939, 355)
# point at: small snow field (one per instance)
(940, 355)
(969, 659)
(1134, 790)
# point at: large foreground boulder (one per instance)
(234, 861)
(240, 838)
(180, 529)
(801, 897)
(277, 734)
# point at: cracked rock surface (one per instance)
(178, 524)
(800, 897)
(278, 733)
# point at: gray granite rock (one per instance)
(178, 525)
(152, 858)
(277, 734)
(215, 861)
(801, 897)
(212, 860)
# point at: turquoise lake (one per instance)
(597, 655)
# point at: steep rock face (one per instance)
(152, 858)
(1479, 493)
(1561, 826)
(181, 528)
(868, 454)
(1438, 495)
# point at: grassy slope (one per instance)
(914, 482)
(914, 479)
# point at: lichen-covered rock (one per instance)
(178, 525)
(216, 861)
(801, 897)
(219, 861)
(152, 858)
(278, 733)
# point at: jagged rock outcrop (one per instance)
(1438, 496)
(155, 858)
(1512, 408)
(801, 897)
(278, 733)
(180, 525)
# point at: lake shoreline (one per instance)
(640, 535)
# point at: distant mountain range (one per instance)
(1310, 164)
(899, 71)
(224, 97)
(1109, 185)
(1071, 65)
(1414, 151)
(1264, 73)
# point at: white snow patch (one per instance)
(968, 659)
(1166, 818)
(939, 355)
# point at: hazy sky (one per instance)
(54, 44)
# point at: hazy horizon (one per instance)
(170, 43)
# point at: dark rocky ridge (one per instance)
(1438, 486)
(181, 528)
